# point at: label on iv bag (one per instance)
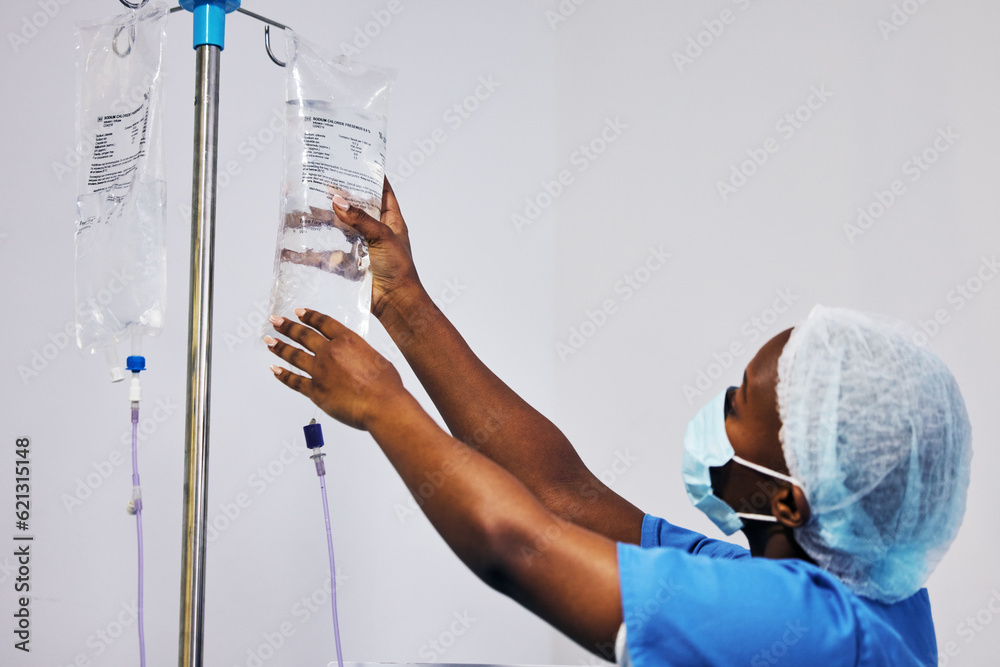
(342, 152)
(119, 145)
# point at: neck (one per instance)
(773, 540)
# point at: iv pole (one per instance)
(209, 41)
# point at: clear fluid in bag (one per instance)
(322, 268)
(121, 250)
(321, 263)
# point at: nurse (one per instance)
(843, 456)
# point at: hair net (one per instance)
(875, 428)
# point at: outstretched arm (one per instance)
(479, 408)
(565, 574)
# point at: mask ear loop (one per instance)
(766, 471)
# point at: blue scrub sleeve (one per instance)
(659, 533)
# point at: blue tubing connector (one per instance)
(210, 20)
(314, 435)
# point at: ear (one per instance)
(790, 507)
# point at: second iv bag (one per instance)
(121, 195)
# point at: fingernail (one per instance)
(270, 342)
(299, 312)
(275, 370)
(340, 203)
(276, 321)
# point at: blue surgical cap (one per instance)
(875, 428)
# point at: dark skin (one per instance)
(752, 425)
(517, 505)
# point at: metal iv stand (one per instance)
(209, 41)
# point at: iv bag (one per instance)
(121, 202)
(335, 119)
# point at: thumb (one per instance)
(389, 202)
(370, 228)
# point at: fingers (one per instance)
(305, 336)
(389, 202)
(328, 326)
(293, 355)
(289, 379)
(308, 258)
(390, 209)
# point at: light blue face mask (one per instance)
(706, 445)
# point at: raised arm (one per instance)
(477, 406)
(565, 574)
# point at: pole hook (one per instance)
(267, 33)
(141, 3)
(267, 46)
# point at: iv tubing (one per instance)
(138, 523)
(329, 546)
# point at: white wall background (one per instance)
(619, 394)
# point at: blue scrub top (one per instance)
(691, 600)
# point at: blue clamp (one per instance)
(135, 363)
(210, 20)
(314, 435)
